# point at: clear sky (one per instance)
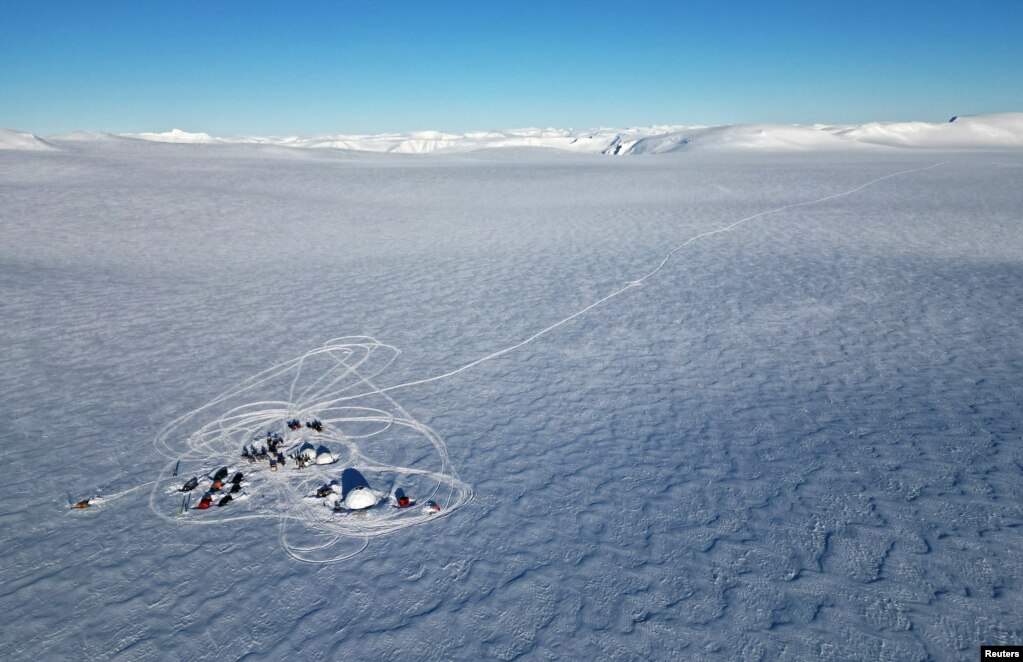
(308, 66)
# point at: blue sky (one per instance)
(306, 67)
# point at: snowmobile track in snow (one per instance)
(639, 281)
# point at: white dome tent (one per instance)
(355, 491)
(324, 456)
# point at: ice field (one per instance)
(703, 404)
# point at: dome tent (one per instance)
(355, 491)
(324, 456)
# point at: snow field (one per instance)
(797, 440)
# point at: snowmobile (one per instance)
(324, 491)
(221, 474)
(402, 500)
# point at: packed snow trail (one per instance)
(639, 281)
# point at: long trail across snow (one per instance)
(639, 281)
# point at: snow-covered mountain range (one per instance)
(995, 131)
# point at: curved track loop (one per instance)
(377, 436)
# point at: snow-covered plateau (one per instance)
(752, 392)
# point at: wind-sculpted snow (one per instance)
(707, 405)
(363, 428)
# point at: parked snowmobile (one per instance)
(402, 500)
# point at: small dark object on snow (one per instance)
(237, 487)
(223, 502)
(280, 459)
(221, 474)
(324, 491)
(273, 464)
(245, 452)
(294, 424)
(262, 451)
(432, 505)
(315, 425)
(206, 502)
(84, 503)
(190, 485)
(237, 478)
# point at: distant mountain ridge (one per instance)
(995, 131)
(19, 140)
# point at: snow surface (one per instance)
(997, 131)
(710, 405)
